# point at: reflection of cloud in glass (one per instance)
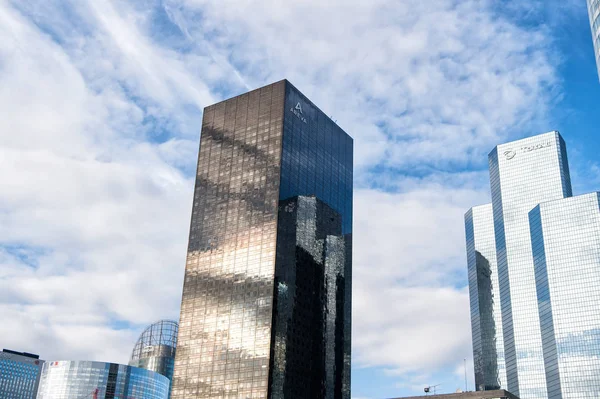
(565, 236)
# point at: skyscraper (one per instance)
(565, 236)
(594, 12)
(155, 348)
(257, 151)
(484, 293)
(19, 374)
(523, 173)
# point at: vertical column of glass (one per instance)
(565, 237)
(484, 292)
(594, 13)
(224, 334)
(523, 174)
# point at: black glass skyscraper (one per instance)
(267, 293)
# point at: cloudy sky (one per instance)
(101, 103)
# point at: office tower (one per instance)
(484, 293)
(594, 13)
(258, 150)
(99, 380)
(523, 173)
(19, 374)
(155, 348)
(565, 236)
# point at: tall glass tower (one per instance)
(244, 327)
(484, 293)
(523, 173)
(565, 237)
(594, 12)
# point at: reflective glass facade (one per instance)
(484, 293)
(594, 13)
(523, 174)
(80, 379)
(19, 375)
(256, 150)
(565, 237)
(155, 348)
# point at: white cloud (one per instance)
(101, 112)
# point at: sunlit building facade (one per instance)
(257, 151)
(565, 237)
(484, 294)
(523, 174)
(99, 380)
(594, 13)
(155, 348)
(19, 374)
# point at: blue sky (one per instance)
(102, 103)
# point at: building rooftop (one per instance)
(497, 394)
(31, 355)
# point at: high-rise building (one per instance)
(565, 236)
(484, 293)
(155, 348)
(19, 374)
(99, 380)
(594, 13)
(257, 151)
(523, 174)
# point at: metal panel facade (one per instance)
(255, 149)
(484, 293)
(523, 174)
(565, 236)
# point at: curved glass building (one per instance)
(155, 348)
(99, 380)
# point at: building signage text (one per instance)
(510, 154)
(297, 110)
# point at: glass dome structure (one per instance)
(155, 348)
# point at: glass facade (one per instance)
(256, 150)
(594, 13)
(19, 374)
(565, 237)
(523, 174)
(155, 348)
(98, 380)
(484, 293)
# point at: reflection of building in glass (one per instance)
(19, 374)
(256, 150)
(308, 355)
(155, 348)
(594, 12)
(79, 379)
(565, 236)
(484, 292)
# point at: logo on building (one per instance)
(297, 110)
(510, 154)
(534, 147)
